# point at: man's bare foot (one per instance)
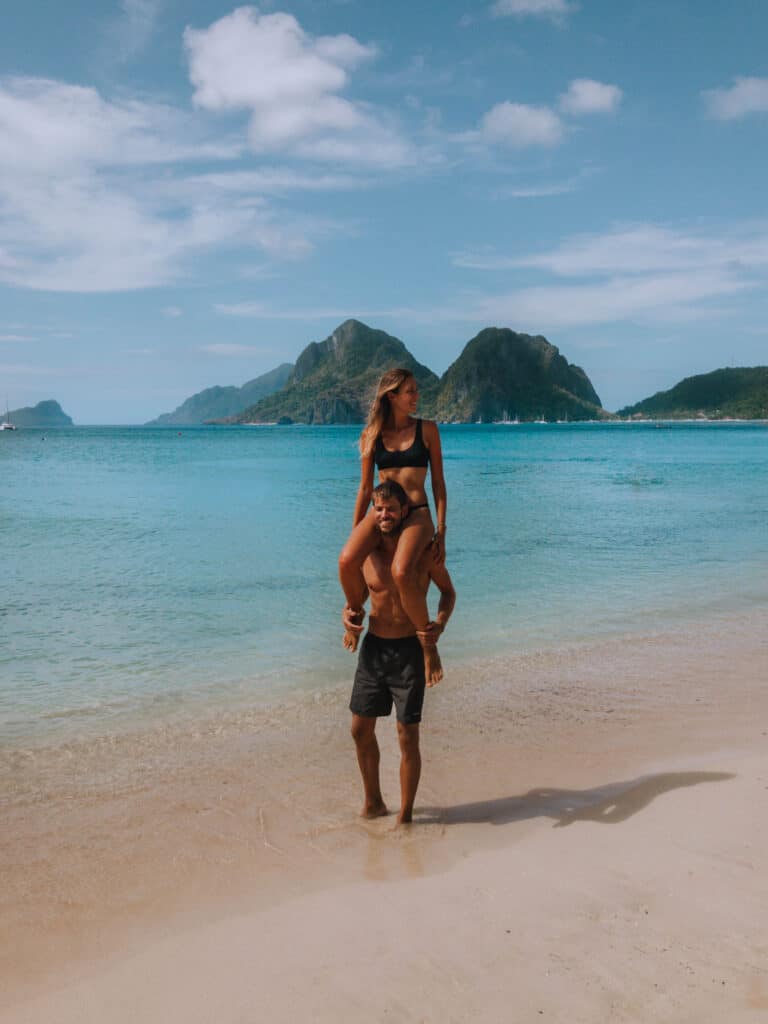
(433, 667)
(405, 817)
(374, 810)
(350, 641)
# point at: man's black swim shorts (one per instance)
(389, 671)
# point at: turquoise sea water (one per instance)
(151, 572)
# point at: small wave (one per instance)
(634, 480)
(83, 711)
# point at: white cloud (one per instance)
(172, 311)
(261, 311)
(289, 82)
(86, 203)
(229, 350)
(247, 309)
(645, 248)
(555, 10)
(519, 125)
(586, 96)
(642, 272)
(48, 126)
(135, 26)
(13, 337)
(618, 298)
(746, 96)
(273, 180)
(536, 191)
(91, 235)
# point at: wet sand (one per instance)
(589, 844)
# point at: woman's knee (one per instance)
(408, 554)
(349, 559)
(403, 569)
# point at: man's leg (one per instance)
(410, 769)
(364, 735)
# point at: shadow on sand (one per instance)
(608, 804)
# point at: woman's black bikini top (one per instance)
(416, 455)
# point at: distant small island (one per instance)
(737, 392)
(45, 414)
(218, 403)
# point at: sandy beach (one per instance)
(589, 845)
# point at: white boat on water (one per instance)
(506, 421)
(6, 424)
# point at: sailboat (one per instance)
(7, 425)
(506, 420)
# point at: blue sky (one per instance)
(192, 192)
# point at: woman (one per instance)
(402, 448)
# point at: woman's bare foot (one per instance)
(405, 817)
(374, 810)
(433, 667)
(350, 641)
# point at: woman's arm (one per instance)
(432, 439)
(365, 489)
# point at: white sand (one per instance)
(591, 849)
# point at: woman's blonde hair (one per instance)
(379, 411)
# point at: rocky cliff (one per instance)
(334, 380)
(502, 374)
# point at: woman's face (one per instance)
(406, 398)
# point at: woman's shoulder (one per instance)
(429, 428)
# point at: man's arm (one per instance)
(352, 619)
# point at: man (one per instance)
(391, 662)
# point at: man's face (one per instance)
(389, 514)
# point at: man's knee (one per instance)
(408, 736)
(363, 730)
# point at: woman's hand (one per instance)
(439, 545)
(431, 633)
(352, 619)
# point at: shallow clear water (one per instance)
(147, 572)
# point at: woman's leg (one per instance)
(361, 543)
(415, 537)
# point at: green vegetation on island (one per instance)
(44, 414)
(500, 374)
(218, 403)
(505, 375)
(333, 381)
(738, 392)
